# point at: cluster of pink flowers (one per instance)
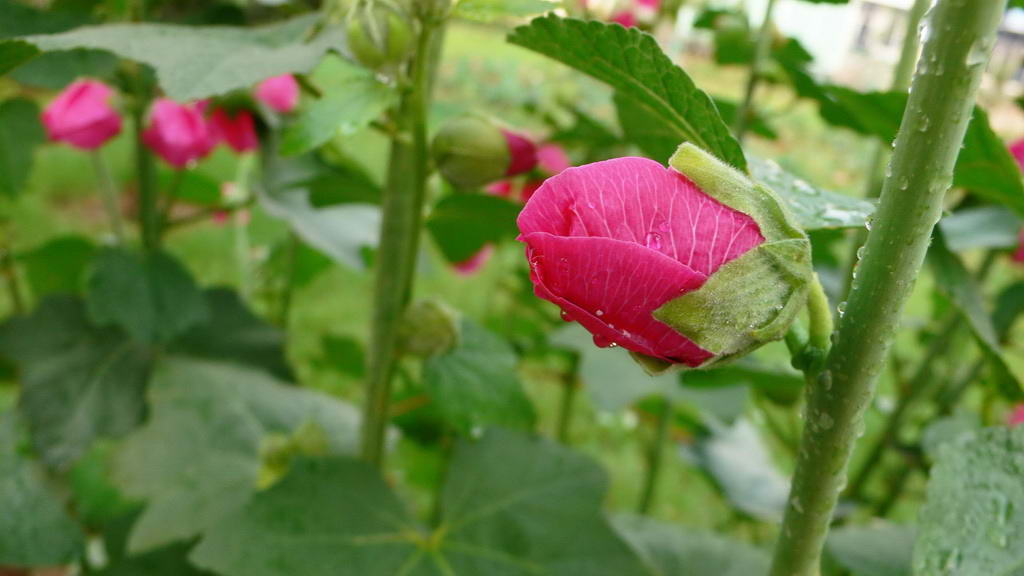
(84, 116)
(537, 163)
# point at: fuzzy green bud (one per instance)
(380, 35)
(471, 151)
(430, 328)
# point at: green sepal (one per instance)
(653, 366)
(734, 189)
(747, 302)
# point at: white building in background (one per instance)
(851, 42)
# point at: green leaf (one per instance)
(972, 521)
(195, 62)
(55, 70)
(491, 10)
(878, 549)
(151, 296)
(738, 461)
(954, 281)
(475, 384)
(813, 208)
(781, 383)
(986, 167)
(671, 550)
(18, 18)
(79, 382)
(198, 459)
(343, 183)
(337, 517)
(612, 379)
(14, 53)
(361, 101)
(633, 64)
(340, 232)
(20, 134)
(946, 429)
(462, 223)
(232, 333)
(59, 266)
(169, 561)
(35, 529)
(981, 227)
(343, 354)
(1009, 307)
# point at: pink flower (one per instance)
(475, 262)
(1017, 150)
(1018, 256)
(649, 4)
(1016, 417)
(627, 18)
(501, 189)
(522, 153)
(179, 133)
(529, 188)
(82, 116)
(611, 242)
(280, 93)
(552, 159)
(239, 131)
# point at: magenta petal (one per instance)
(611, 287)
(639, 201)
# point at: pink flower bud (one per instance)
(501, 189)
(179, 133)
(82, 115)
(280, 93)
(522, 153)
(239, 130)
(475, 262)
(627, 18)
(613, 241)
(1016, 417)
(529, 188)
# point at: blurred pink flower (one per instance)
(552, 159)
(501, 188)
(280, 93)
(179, 133)
(627, 18)
(1018, 256)
(599, 250)
(82, 116)
(1017, 150)
(529, 188)
(475, 262)
(649, 4)
(522, 153)
(1016, 417)
(239, 131)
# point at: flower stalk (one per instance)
(927, 146)
(762, 49)
(655, 456)
(108, 193)
(403, 199)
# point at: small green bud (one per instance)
(380, 36)
(430, 328)
(471, 151)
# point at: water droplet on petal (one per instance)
(653, 241)
(566, 316)
(602, 342)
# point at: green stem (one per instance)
(762, 50)
(929, 140)
(900, 81)
(109, 195)
(400, 232)
(570, 385)
(918, 384)
(655, 457)
(10, 273)
(149, 216)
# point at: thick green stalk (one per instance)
(656, 456)
(404, 194)
(762, 49)
(900, 81)
(938, 110)
(108, 194)
(149, 215)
